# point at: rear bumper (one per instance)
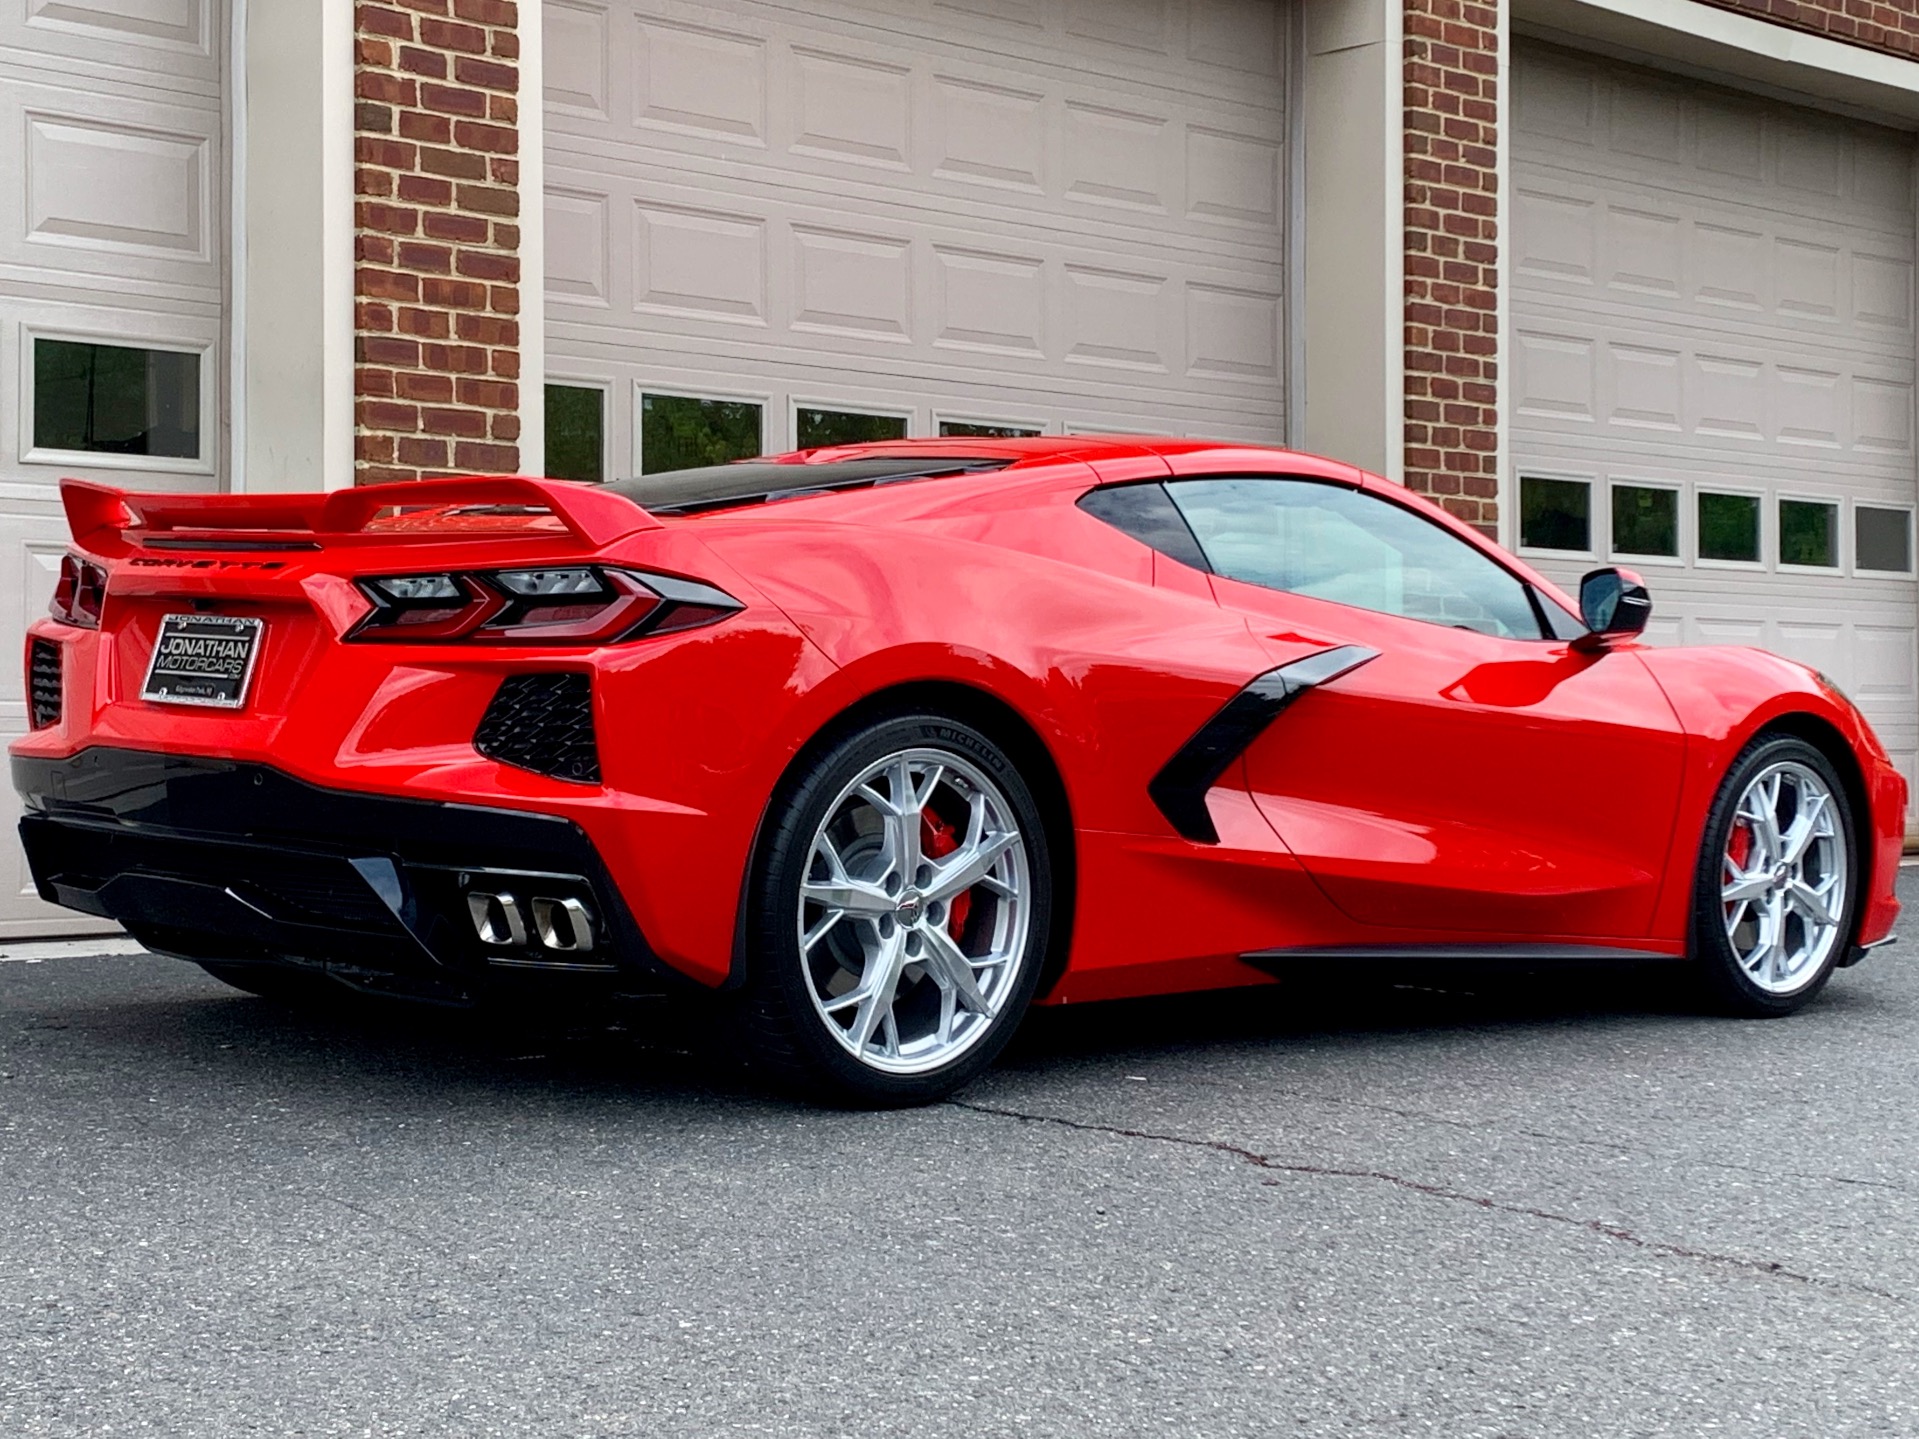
(223, 860)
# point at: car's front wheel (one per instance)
(1776, 897)
(901, 914)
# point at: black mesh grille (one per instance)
(543, 722)
(43, 667)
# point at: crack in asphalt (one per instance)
(1618, 1233)
(1574, 1140)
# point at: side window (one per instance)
(1334, 543)
(1146, 513)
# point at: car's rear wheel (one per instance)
(901, 914)
(1776, 899)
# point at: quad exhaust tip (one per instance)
(559, 924)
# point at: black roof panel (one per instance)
(749, 482)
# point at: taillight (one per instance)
(567, 605)
(79, 593)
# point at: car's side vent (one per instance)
(543, 722)
(43, 677)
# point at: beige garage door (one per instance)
(770, 224)
(112, 263)
(1713, 336)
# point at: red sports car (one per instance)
(891, 741)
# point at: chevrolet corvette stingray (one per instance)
(886, 743)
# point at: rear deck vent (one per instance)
(43, 674)
(543, 722)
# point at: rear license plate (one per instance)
(203, 660)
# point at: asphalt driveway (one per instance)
(1530, 1207)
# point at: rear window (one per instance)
(749, 482)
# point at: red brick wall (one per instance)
(1452, 255)
(437, 239)
(1873, 23)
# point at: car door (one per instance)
(1478, 774)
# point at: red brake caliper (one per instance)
(1739, 850)
(937, 840)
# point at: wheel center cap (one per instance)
(911, 906)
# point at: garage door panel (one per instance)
(1711, 388)
(115, 186)
(1713, 295)
(166, 44)
(1698, 263)
(1071, 151)
(962, 208)
(112, 221)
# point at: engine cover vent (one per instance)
(543, 723)
(43, 677)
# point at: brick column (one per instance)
(1452, 255)
(437, 266)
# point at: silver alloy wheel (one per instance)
(1783, 878)
(913, 915)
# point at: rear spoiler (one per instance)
(108, 520)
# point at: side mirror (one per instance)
(1614, 604)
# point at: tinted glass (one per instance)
(1645, 520)
(678, 432)
(986, 432)
(1808, 533)
(1337, 544)
(116, 399)
(575, 432)
(1728, 527)
(1555, 514)
(846, 427)
(1149, 515)
(1882, 539)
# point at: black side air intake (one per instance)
(543, 722)
(43, 678)
(1179, 789)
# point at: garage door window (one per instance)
(1882, 539)
(814, 428)
(678, 432)
(1809, 534)
(1555, 514)
(116, 399)
(1729, 528)
(974, 430)
(576, 432)
(1645, 520)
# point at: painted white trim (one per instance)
(1687, 36)
(236, 247)
(1394, 339)
(1295, 222)
(532, 99)
(1505, 477)
(336, 243)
